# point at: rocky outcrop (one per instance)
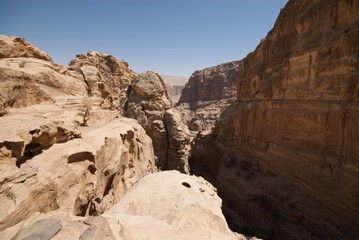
(28, 76)
(181, 207)
(213, 83)
(45, 166)
(150, 105)
(15, 47)
(106, 77)
(66, 157)
(59, 149)
(294, 123)
(206, 94)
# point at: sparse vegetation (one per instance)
(87, 105)
(10, 195)
(21, 64)
(3, 109)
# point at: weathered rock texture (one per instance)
(28, 76)
(67, 152)
(164, 205)
(296, 120)
(206, 94)
(107, 78)
(14, 47)
(48, 159)
(44, 166)
(150, 105)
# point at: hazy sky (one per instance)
(172, 37)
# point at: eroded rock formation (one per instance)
(28, 76)
(83, 171)
(150, 105)
(287, 149)
(181, 207)
(106, 77)
(67, 154)
(59, 148)
(206, 94)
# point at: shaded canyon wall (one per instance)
(296, 119)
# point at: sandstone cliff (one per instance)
(288, 148)
(142, 97)
(174, 91)
(206, 94)
(150, 105)
(67, 153)
(174, 86)
(106, 77)
(58, 148)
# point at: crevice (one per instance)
(41, 140)
(31, 150)
(80, 157)
(108, 185)
(128, 93)
(89, 92)
(14, 147)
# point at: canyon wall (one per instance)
(295, 124)
(206, 94)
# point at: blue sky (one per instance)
(172, 37)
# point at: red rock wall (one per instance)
(299, 94)
(296, 116)
(213, 83)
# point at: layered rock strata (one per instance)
(295, 120)
(206, 94)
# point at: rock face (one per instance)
(174, 91)
(206, 94)
(15, 47)
(294, 125)
(59, 149)
(45, 166)
(150, 105)
(106, 77)
(67, 155)
(181, 207)
(174, 86)
(28, 76)
(210, 84)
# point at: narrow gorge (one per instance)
(284, 156)
(266, 147)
